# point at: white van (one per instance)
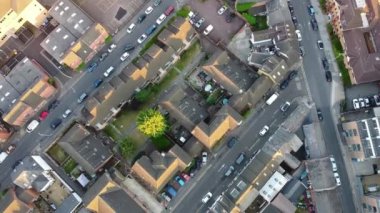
(32, 126)
(3, 155)
(109, 71)
(272, 98)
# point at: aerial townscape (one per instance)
(189, 106)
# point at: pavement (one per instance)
(43, 136)
(327, 96)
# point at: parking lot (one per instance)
(223, 31)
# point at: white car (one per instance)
(366, 100)
(264, 130)
(362, 103)
(191, 15)
(124, 56)
(299, 36)
(208, 29)
(337, 178)
(200, 22)
(207, 197)
(161, 19)
(67, 113)
(32, 126)
(111, 48)
(204, 158)
(149, 10)
(285, 106)
(355, 102)
(320, 44)
(131, 27)
(222, 10)
(142, 38)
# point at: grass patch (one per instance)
(51, 81)
(127, 147)
(257, 22)
(214, 97)
(108, 40)
(183, 12)
(57, 153)
(246, 112)
(322, 3)
(244, 6)
(112, 132)
(80, 67)
(152, 41)
(338, 54)
(69, 165)
(162, 143)
(188, 55)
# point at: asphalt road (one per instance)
(43, 135)
(211, 177)
(321, 91)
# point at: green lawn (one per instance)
(188, 55)
(57, 153)
(80, 67)
(244, 6)
(162, 143)
(322, 3)
(108, 40)
(183, 12)
(69, 165)
(257, 22)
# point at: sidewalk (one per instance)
(337, 94)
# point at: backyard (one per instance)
(62, 158)
(257, 22)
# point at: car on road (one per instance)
(161, 19)
(129, 47)
(179, 180)
(82, 98)
(199, 22)
(292, 74)
(295, 22)
(314, 24)
(141, 18)
(53, 105)
(310, 10)
(124, 56)
(320, 44)
(55, 123)
(328, 76)
(361, 102)
(207, 197)
(285, 107)
(264, 130)
(92, 67)
(208, 29)
(103, 56)
(142, 38)
(325, 63)
(319, 113)
(229, 171)
(43, 115)
(239, 160)
(284, 84)
(222, 10)
(185, 177)
(156, 3)
(356, 104)
(230, 16)
(301, 51)
(98, 82)
(337, 179)
(111, 48)
(299, 36)
(149, 10)
(67, 113)
(109, 71)
(10, 149)
(204, 157)
(169, 10)
(333, 165)
(231, 142)
(32, 126)
(131, 28)
(151, 29)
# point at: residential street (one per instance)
(43, 135)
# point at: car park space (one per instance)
(222, 30)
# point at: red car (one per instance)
(169, 10)
(43, 115)
(185, 176)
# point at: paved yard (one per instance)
(223, 31)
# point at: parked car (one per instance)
(229, 171)
(169, 10)
(179, 180)
(239, 160)
(337, 179)
(328, 76)
(141, 39)
(301, 51)
(222, 10)
(284, 84)
(299, 36)
(67, 113)
(355, 103)
(151, 29)
(285, 107)
(32, 126)
(191, 14)
(199, 22)
(55, 123)
(314, 24)
(207, 197)
(10, 149)
(43, 115)
(231, 142)
(109, 71)
(53, 105)
(149, 10)
(185, 176)
(264, 130)
(292, 74)
(103, 56)
(124, 56)
(325, 63)
(156, 3)
(320, 44)
(131, 28)
(166, 196)
(171, 191)
(362, 103)
(366, 100)
(129, 47)
(310, 10)
(98, 82)
(204, 158)
(111, 48)
(230, 16)
(92, 67)
(141, 18)
(208, 29)
(319, 113)
(82, 97)
(161, 19)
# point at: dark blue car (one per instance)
(92, 67)
(171, 191)
(151, 29)
(97, 83)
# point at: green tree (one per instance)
(127, 147)
(151, 122)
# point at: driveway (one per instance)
(223, 31)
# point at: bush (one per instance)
(250, 19)
(162, 143)
(127, 147)
(183, 12)
(244, 6)
(108, 40)
(51, 81)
